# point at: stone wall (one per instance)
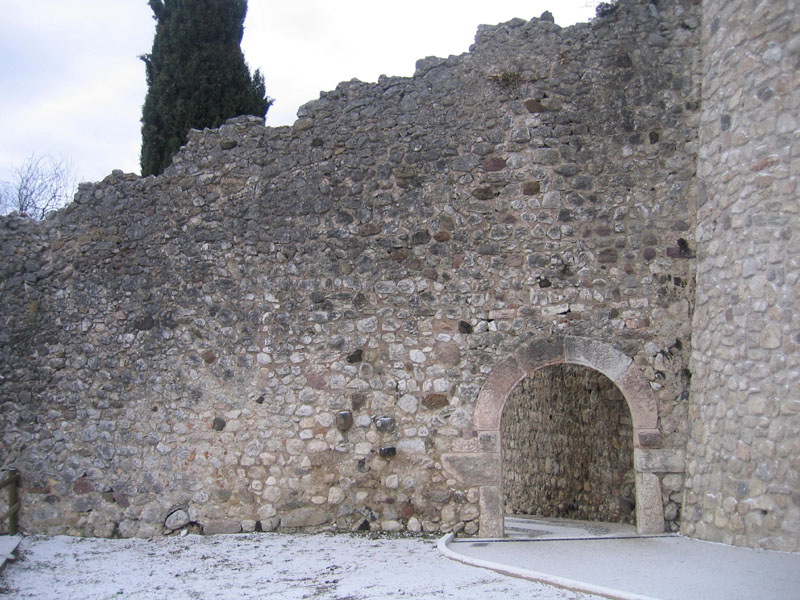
(291, 326)
(743, 483)
(568, 447)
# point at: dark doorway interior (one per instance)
(568, 447)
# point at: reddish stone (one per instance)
(209, 357)
(369, 229)
(82, 485)
(399, 255)
(529, 188)
(637, 323)
(640, 398)
(649, 254)
(534, 106)
(447, 353)
(494, 163)
(767, 161)
(435, 401)
(649, 439)
(416, 264)
(316, 381)
(608, 255)
(121, 499)
(407, 511)
(604, 230)
(441, 236)
(505, 375)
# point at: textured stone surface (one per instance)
(217, 526)
(641, 401)
(648, 519)
(491, 506)
(567, 447)
(743, 476)
(304, 517)
(540, 353)
(659, 461)
(492, 396)
(188, 339)
(609, 361)
(473, 469)
(177, 519)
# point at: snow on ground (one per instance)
(250, 566)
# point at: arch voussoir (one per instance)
(492, 397)
(540, 353)
(597, 355)
(640, 398)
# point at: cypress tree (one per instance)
(196, 75)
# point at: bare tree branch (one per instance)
(40, 184)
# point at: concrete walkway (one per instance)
(611, 560)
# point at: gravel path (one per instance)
(253, 566)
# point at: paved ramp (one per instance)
(520, 527)
(619, 564)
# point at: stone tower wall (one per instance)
(743, 483)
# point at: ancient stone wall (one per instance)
(291, 327)
(743, 483)
(568, 447)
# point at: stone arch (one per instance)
(618, 367)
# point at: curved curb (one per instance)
(9, 545)
(561, 582)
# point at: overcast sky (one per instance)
(71, 83)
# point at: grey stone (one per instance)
(664, 460)
(303, 517)
(656, 40)
(591, 353)
(344, 420)
(219, 526)
(177, 519)
(387, 424)
(649, 510)
(474, 469)
(491, 506)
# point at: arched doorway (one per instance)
(484, 468)
(567, 447)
